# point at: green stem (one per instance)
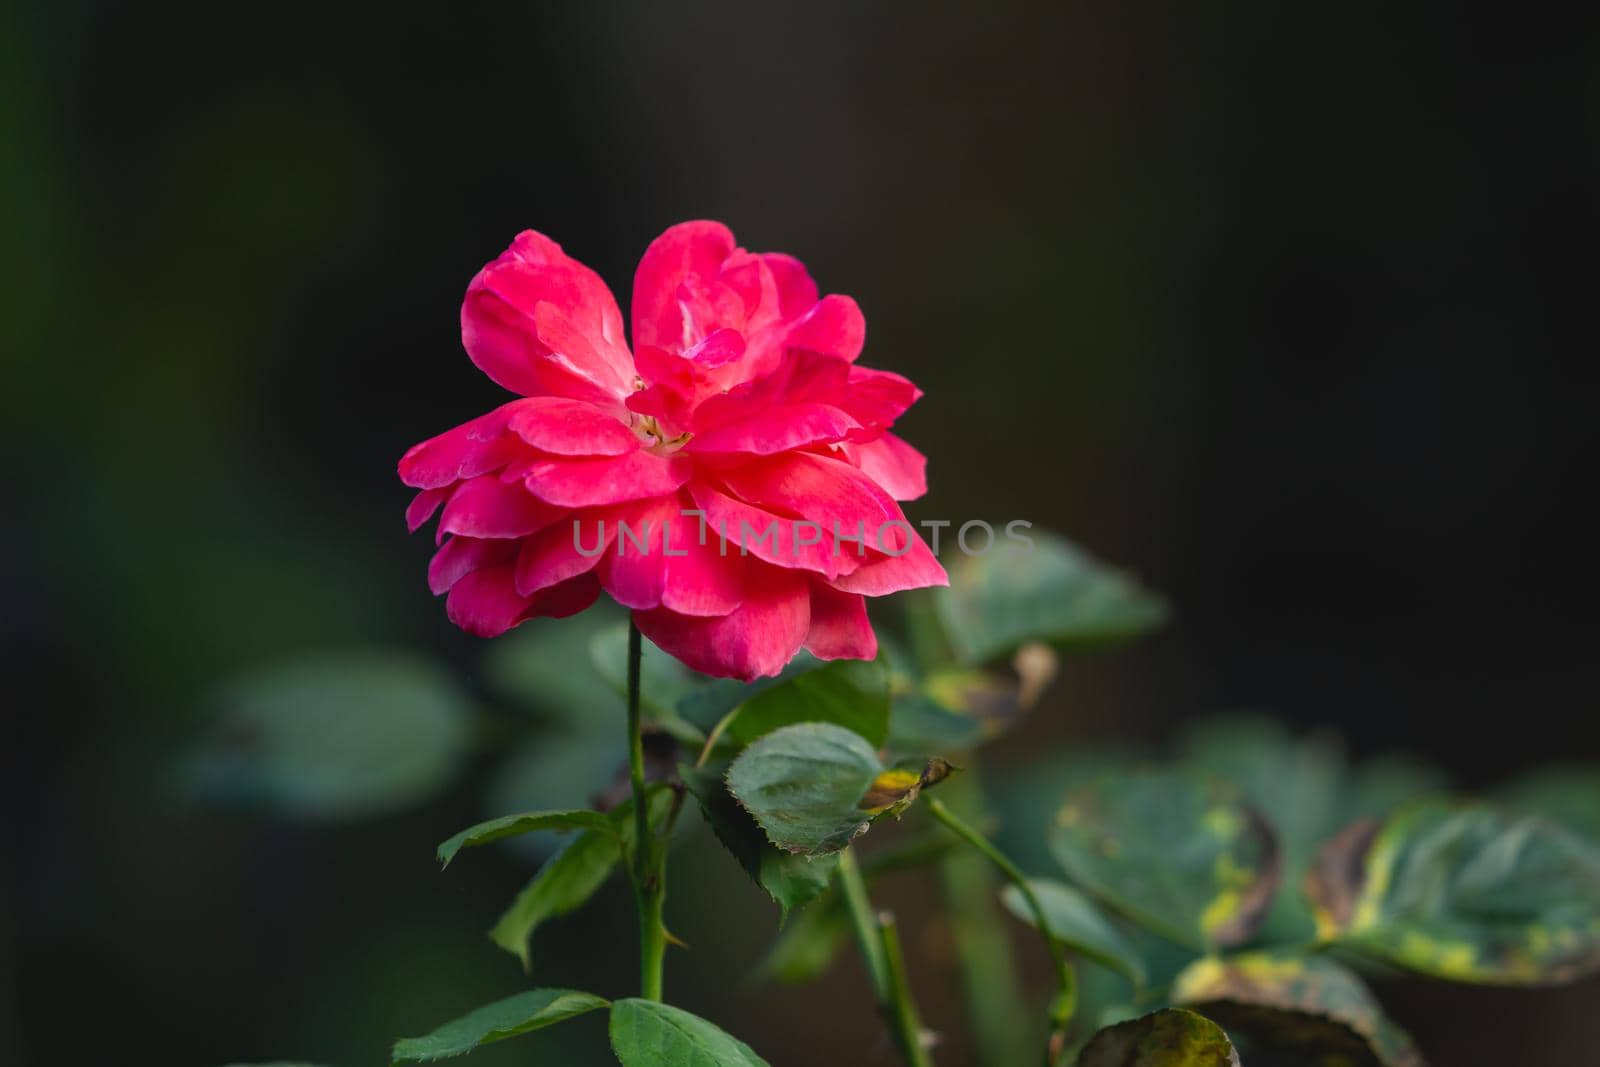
(902, 1006)
(1066, 998)
(649, 855)
(879, 945)
(854, 891)
(1000, 1025)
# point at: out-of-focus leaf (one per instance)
(790, 879)
(850, 693)
(1026, 799)
(1172, 1037)
(706, 705)
(808, 943)
(663, 681)
(515, 1015)
(813, 786)
(527, 822)
(1051, 592)
(336, 738)
(954, 710)
(1182, 853)
(571, 877)
(1468, 893)
(1307, 1005)
(1296, 781)
(1568, 795)
(812, 937)
(1077, 925)
(646, 1033)
(545, 664)
(1307, 791)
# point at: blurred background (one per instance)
(1282, 309)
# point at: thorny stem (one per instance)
(649, 855)
(880, 953)
(1066, 998)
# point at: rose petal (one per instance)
(488, 507)
(840, 628)
(778, 429)
(737, 529)
(893, 464)
(880, 575)
(754, 641)
(877, 397)
(833, 327)
(688, 251)
(473, 448)
(423, 505)
(829, 492)
(575, 348)
(797, 293)
(563, 550)
(571, 428)
(486, 603)
(581, 483)
(460, 556)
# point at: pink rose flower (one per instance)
(740, 403)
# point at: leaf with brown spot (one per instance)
(1469, 893)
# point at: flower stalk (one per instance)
(649, 855)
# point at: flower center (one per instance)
(660, 443)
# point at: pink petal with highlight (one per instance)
(893, 464)
(488, 507)
(755, 641)
(582, 483)
(688, 251)
(571, 428)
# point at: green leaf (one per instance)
(645, 1033)
(1051, 592)
(1172, 1037)
(1306, 1005)
(1299, 780)
(559, 768)
(850, 693)
(512, 825)
(571, 877)
(790, 879)
(814, 786)
(1464, 892)
(1179, 852)
(336, 738)
(1077, 925)
(519, 1014)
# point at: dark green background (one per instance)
(1288, 309)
